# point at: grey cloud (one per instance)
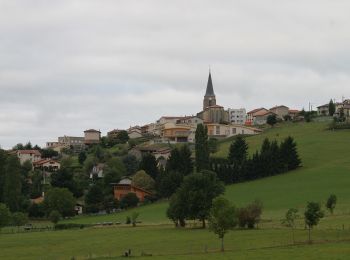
(70, 65)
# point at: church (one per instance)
(212, 113)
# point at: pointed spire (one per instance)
(210, 89)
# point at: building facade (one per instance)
(92, 136)
(237, 116)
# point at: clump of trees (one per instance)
(272, 159)
(193, 199)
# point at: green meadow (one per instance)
(326, 169)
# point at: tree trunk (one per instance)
(203, 223)
(293, 235)
(222, 244)
(309, 235)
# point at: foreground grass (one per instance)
(165, 242)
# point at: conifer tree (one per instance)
(149, 165)
(289, 154)
(13, 184)
(202, 149)
(238, 151)
(331, 108)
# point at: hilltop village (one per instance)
(158, 139)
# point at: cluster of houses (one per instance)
(341, 109)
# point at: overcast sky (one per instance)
(66, 66)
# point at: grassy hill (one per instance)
(326, 169)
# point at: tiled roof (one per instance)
(44, 161)
(92, 131)
(256, 110)
(35, 152)
(278, 107)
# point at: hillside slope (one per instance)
(326, 169)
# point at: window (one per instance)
(217, 130)
(233, 131)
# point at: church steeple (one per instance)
(209, 98)
(210, 89)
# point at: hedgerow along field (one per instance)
(326, 169)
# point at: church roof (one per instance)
(210, 89)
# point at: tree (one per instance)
(331, 108)
(222, 218)
(201, 147)
(289, 221)
(82, 157)
(48, 153)
(5, 215)
(123, 136)
(130, 200)
(177, 210)
(238, 151)
(149, 165)
(60, 199)
(3, 158)
(195, 196)
(271, 120)
(180, 161)
(19, 219)
(64, 178)
(331, 202)
(54, 216)
(131, 164)
(213, 145)
(143, 180)
(168, 182)
(134, 217)
(13, 184)
(94, 199)
(289, 154)
(313, 214)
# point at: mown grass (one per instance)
(165, 242)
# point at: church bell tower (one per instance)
(209, 98)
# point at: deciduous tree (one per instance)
(313, 215)
(222, 218)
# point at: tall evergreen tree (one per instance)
(3, 157)
(149, 165)
(13, 184)
(202, 149)
(289, 154)
(331, 108)
(238, 151)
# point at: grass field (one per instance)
(326, 169)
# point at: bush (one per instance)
(36, 210)
(54, 216)
(70, 226)
(129, 200)
(250, 215)
(128, 220)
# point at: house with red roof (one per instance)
(49, 165)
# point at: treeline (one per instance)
(272, 159)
